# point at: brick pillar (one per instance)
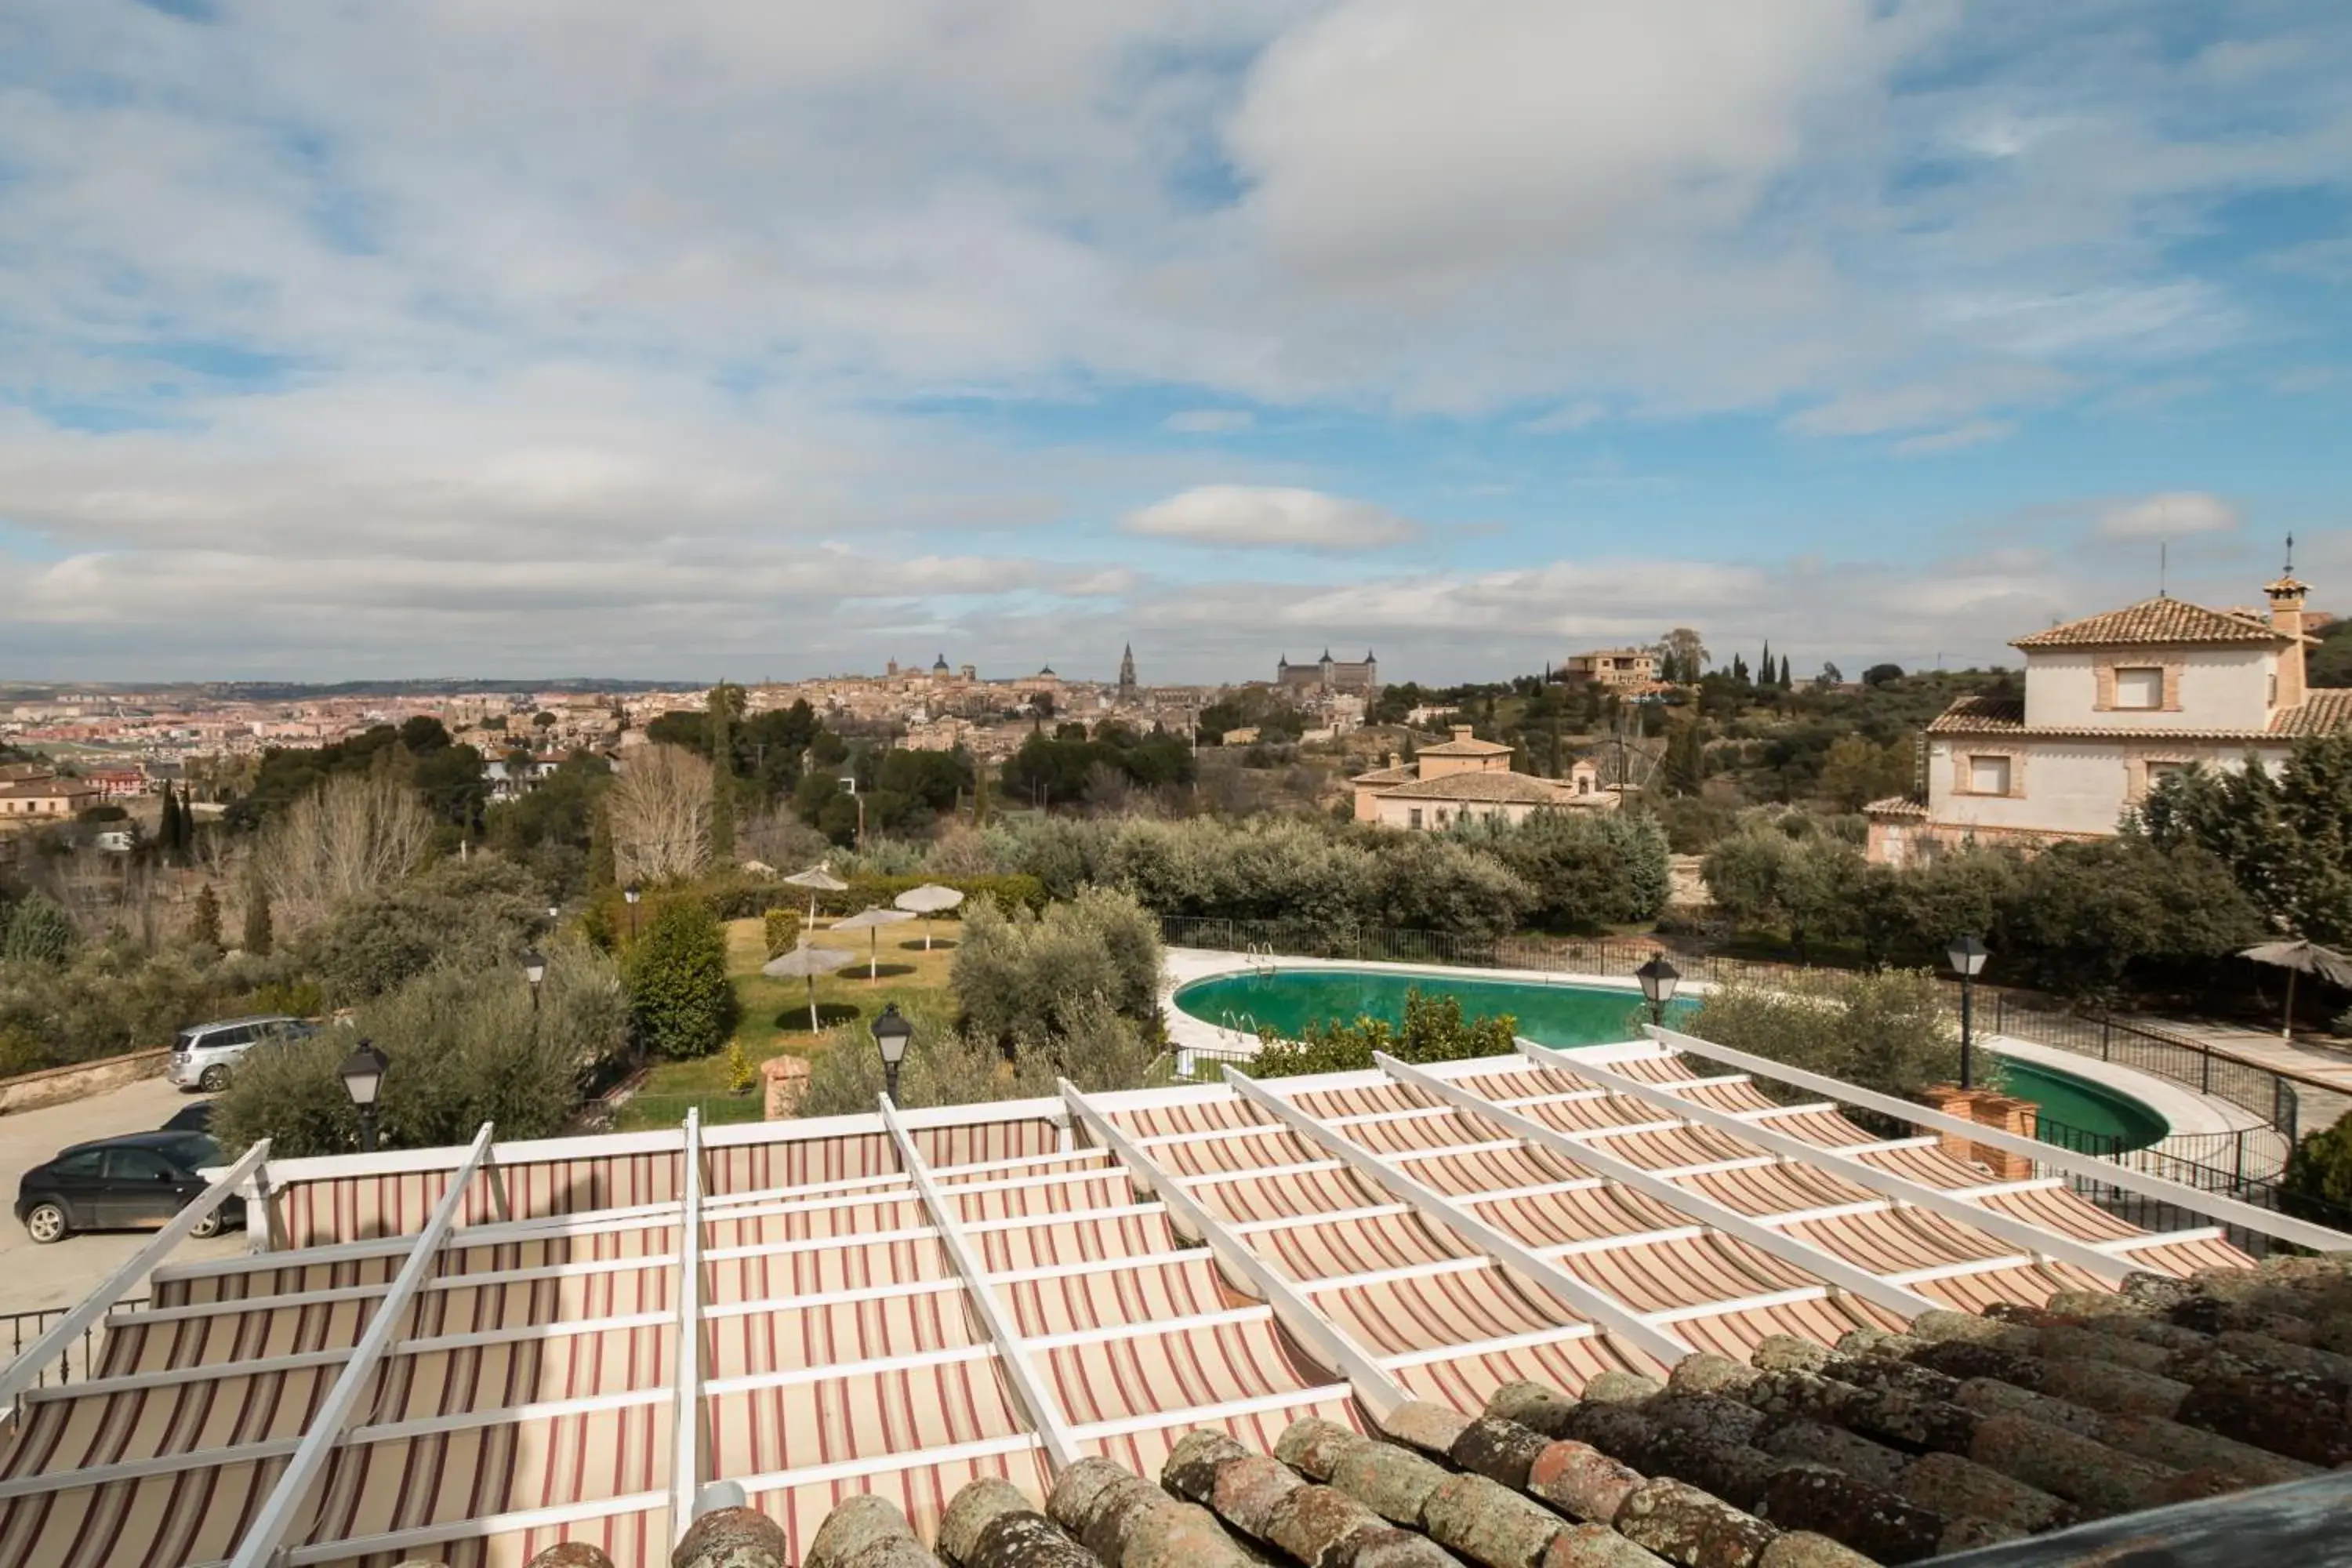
(788, 1080)
(1953, 1101)
(2010, 1115)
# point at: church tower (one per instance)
(1127, 672)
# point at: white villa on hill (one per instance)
(1469, 778)
(2112, 703)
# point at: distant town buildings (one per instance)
(30, 792)
(1467, 779)
(2112, 704)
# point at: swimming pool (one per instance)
(1288, 1000)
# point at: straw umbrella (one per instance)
(817, 878)
(2301, 958)
(930, 899)
(872, 921)
(808, 963)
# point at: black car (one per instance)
(137, 1181)
(197, 1118)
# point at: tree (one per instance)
(38, 931)
(726, 705)
(660, 808)
(1881, 674)
(2083, 917)
(205, 920)
(1685, 770)
(678, 992)
(258, 937)
(603, 866)
(1854, 772)
(168, 829)
(2286, 839)
(1682, 655)
(2317, 1182)
(464, 912)
(1888, 1031)
(1434, 1030)
(1017, 972)
(354, 834)
(1787, 684)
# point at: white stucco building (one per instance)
(2112, 703)
(1467, 779)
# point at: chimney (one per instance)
(1461, 731)
(1395, 761)
(2286, 596)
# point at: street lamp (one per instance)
(1658, 980)
(850, 785)
(1967, 956)
(629, 893)
(362, 1074)
(554, 914)
(534, 969)
(891, 1032)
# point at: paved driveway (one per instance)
(62, 1274)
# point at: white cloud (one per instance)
(1208, 421)
(1957, 439)
(1570, 418)
(1264, 517)
(2175, 514)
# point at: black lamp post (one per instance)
(1967, 956)
(891, 1032)
(629, 894)
(1658, 980)
(534, 969)
(554, 915)
(362, 1074)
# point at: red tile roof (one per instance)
(2155, 621)
(2325, 711)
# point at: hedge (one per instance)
(741, 897)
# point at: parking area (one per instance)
(60, 1275)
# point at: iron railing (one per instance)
(80, 1353)
(2187, 1062)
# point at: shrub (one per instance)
(109, 999)
(464, 1048)
(1586, 869)
(2317, 1182)
(1434, 1031)
(678, 991)
(783, 931)
(1017, 972)
(2080, 918)
(1097, 1049)
(742, 1071)
(204, 920)
(20, 1052)
(1889, 1031)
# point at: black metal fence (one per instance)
(81, 1353)
(2187, 1062)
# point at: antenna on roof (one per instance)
(2290, 557)
(2163, 566)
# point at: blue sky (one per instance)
(500, 337)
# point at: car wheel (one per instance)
(210, 1226)
(213, 1080)
(46, 1223)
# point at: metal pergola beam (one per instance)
(686, 1405)
(291, 1496)
(1061, 1444)
(2245, 1216)
(1814, 1260)
(1598, 1305)
(1375, 1389)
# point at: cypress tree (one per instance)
(603, 872)
(722, 817)
(1764, 668)
(1786, 683)
(205, 924)
(258, 936)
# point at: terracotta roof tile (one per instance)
(2156, 621)
(1499, 788)
(1895, 805)
(2323, 711)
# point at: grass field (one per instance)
(775, 1013)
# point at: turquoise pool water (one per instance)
(1288, 1000)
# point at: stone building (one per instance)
(1327, 675)
(1467, 779)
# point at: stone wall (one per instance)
(56, 1085)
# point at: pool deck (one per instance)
(2187, 1112)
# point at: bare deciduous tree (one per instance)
(359, 832)
(660, 806)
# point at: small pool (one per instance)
(1288, 1000)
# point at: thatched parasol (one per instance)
(817, 878)
(930, 899)
(2301, 958)
(872, 921)
(808, 963)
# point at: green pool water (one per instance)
(1288, 1000)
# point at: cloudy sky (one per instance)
(763, 337)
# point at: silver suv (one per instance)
(203, 1054)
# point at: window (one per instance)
(85, 1164)
(2140, 688)
(136, 1166)
(2274, 697)
(1987, 776)
(1413, 817)
(2159, 771)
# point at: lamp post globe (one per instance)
(534, 969)
(891, 1033)
(362, 1074)
(1659, 980)
(1967, 956)
(629, 895)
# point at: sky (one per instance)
(765, 339)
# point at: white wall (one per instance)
(2062, 786)
(2221, 689)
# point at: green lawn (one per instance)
(775, 1013)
